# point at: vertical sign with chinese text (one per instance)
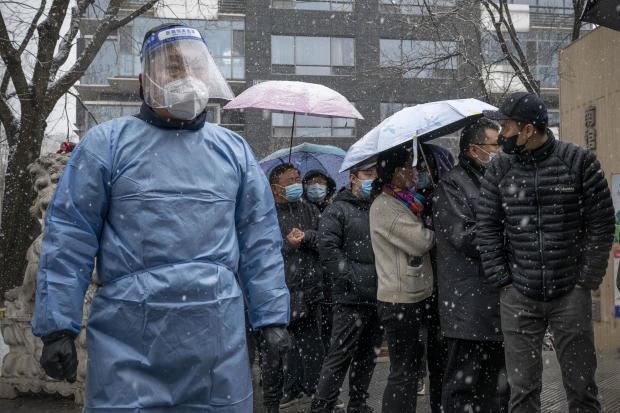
(615, 191)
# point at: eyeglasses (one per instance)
(485, 144)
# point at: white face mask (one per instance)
(185, 98)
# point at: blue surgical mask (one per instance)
(424, 181)
(366, 188)
(491, 156)
(316, 192)
(293, 192)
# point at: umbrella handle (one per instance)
(430, 175)
(290, 152)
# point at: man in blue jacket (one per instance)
(181, 220)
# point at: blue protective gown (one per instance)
(172, 216)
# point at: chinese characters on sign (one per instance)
(590, 134)
(615, 189)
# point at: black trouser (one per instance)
(356, 339)
(272, 376)
(402, 324)
(569, 318)
(436, 351)
(302, 363)
(475, 377)
(326, 325)
(423, 337)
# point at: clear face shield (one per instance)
(179, 74)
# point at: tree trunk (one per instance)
(576, 27)
(18, 228)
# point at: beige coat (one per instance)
(398, 236)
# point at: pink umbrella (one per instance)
(295, 97)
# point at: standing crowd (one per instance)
(461, 268)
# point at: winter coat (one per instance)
(469, 306)
(440, 163)
(326, 281)
(401, 245)
(302, 266)
(555, 207)
(346, 251)
(181, 221)
(331, 188)
(442, 159)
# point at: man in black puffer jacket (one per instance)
(346, 253)
(544, 230)
(299, 222)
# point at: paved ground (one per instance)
(553, 397)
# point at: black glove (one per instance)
(277, 339)
(59, 358)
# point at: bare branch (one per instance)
(49, 32)
(81, 102)
(108, 24)
(13, 63)
(137, 13)
(66, 41)
(578, 7)
(9, 121)
(517, 45)
(502, 42)
(29, 33)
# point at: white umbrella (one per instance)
(420, 122)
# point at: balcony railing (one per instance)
(231, 6)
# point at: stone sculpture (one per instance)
(21, 371)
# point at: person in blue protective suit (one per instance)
(183, 225)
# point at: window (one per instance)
(226, 42)
(186, 9)
(419, 58)
(554, 117)
(390, 108)
(99, 112)
(311, 126)
(541, 48)
(412, 6)
(325, 5)
(319, 56)
(120, 55)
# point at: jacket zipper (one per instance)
(540, 235)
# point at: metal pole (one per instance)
(430, 174)
(290, 151)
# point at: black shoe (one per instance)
(289, 400)
(272, 409)
(320, 406)
(304, 400)
(421, 389)
(364, 408)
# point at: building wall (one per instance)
(589, 76)
(367, 87)
(110, 88)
